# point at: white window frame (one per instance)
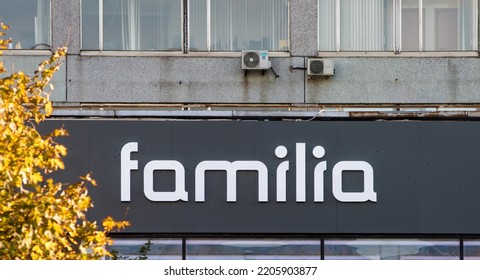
(397, 37)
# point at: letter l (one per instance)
(300, 172)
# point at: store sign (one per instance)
(231, 168)
(327, 177)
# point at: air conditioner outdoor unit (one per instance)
(255, 60)
(320, 67)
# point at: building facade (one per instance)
(350, 133)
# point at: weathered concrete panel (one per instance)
(181, 80)
(303, 27)
(66, 24)
(398, 81)
(29, 64)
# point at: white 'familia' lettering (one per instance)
(231, 168)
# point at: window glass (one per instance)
(132, 25)
(197, 19)
(234, 25)
(119, 25)
(90, 25)
(424, 25)
(241, 249)
(364, 25)
(448, 25)
(326, 24)
(471, 249)
(29, 22)
(391, 249)
(151, 249)
(142, 25)
(410, 25)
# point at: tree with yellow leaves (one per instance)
(40, 218)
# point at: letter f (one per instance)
(126, 165)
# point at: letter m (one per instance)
(231, 168)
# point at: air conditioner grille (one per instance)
(255, 60)
(316, 67)
(320, 67)
(251, 59)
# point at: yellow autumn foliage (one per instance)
(40, 218)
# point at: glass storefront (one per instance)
(237, 248)
(471, 249)
(391, 249)
(256, 249)
(152, 249)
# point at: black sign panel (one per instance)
(280, 177)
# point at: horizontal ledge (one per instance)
(255, 114)
(193, 114)
(404, 54)
(173, 54)
(26, 52)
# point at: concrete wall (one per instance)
(183, 78)
(398, 80)
(180, 80)
(29, 64)
(221, 80)
(66, 24)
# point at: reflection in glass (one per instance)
(260, 249)
(449, 25)
(142, 25)
(369, 25)
(471, 249)
(239, 25)
(410, 25)
(90, 25)
(29, 22)
(364, 25)
(132, 25)
(391, 249)
(445, 25)
(326, 25)
(157, 249)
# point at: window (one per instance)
(29, 22)
(445, 25)
(235, 25)
(471, 249)
(253, 249)
(297, 248)
(132, 24)
(151, 249)
(392, 249)
(157, 25)
(352, 25)
(394, 25)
